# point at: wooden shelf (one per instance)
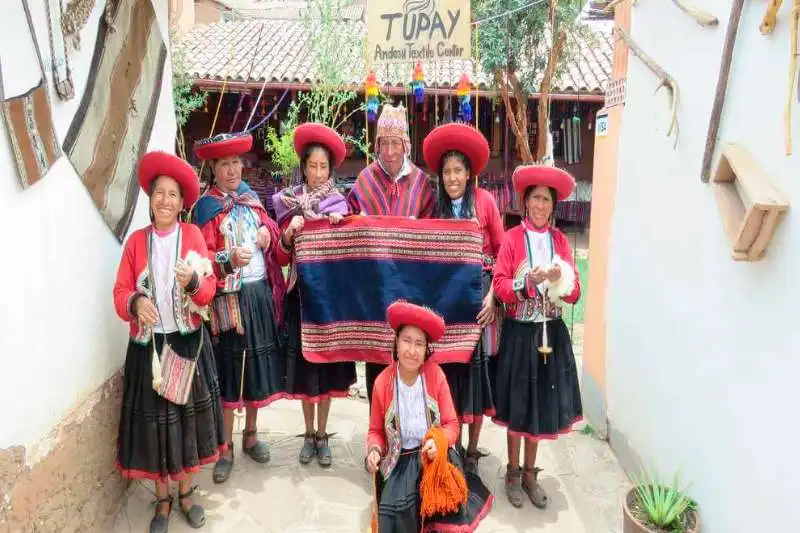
(750, 206)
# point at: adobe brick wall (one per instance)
(74, 486)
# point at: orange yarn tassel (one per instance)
(443, 487)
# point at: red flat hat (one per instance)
(402, 313)
(531, 175)
(158, 163)
(315, 133)
(223, 145)
(456, 136)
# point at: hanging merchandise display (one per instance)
(464, 105)
(418, 84)
(29, 123)
(576, 132)
(371, 92)
(571, 129)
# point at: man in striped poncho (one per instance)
(391, 185)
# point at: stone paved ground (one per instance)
(580, 475)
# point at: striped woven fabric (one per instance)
(112, 125)
(349, 274)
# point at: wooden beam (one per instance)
(239, 86)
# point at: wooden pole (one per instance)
(722, 87)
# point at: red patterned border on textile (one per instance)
(400, 250)
(367, 341)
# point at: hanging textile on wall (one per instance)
(29, 123)
(112, 127)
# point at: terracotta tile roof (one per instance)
(283, 56)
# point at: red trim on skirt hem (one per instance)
(543, 436)
(132, 473)
(471, 418)
(321, 398)
(434, 527)
(257, 404)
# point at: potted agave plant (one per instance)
(652, 506)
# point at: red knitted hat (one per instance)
(158, 163)
(402, 313)
(532, 175)
(223, 145)
(315, 133)
(460, 137)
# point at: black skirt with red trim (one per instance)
(536, 398)
(470, 387)
(470, 383)
(265, 367)
(399, 500)
(159, 440)
(305, 380)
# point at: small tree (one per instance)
(185, 99)
(518, 50)
(336, 49)
(280, 144)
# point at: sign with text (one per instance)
(406, 31)
(601, 127)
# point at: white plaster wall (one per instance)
(60, 338)
(703, 353)
(182, 15)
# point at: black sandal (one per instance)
(309, 449)
(196, 515)
(514, 491)
(160, 522)
(324, 454)
(471, 462)
(223, 467)
(531, 486)
(259, 451)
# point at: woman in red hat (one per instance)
(245, 314)
(534, 378)
(164, 283)
(409, 397)
(459, 152)
(320, 150)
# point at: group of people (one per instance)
(215, 323)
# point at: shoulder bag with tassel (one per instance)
(172, 373)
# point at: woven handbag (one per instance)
(176, 373)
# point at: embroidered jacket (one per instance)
(220, 238)
(375, 193)
(523, 301)
(133, 281)
(384, 430)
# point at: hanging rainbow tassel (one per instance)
(418, 84)
(371, 93)
(462, 91)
